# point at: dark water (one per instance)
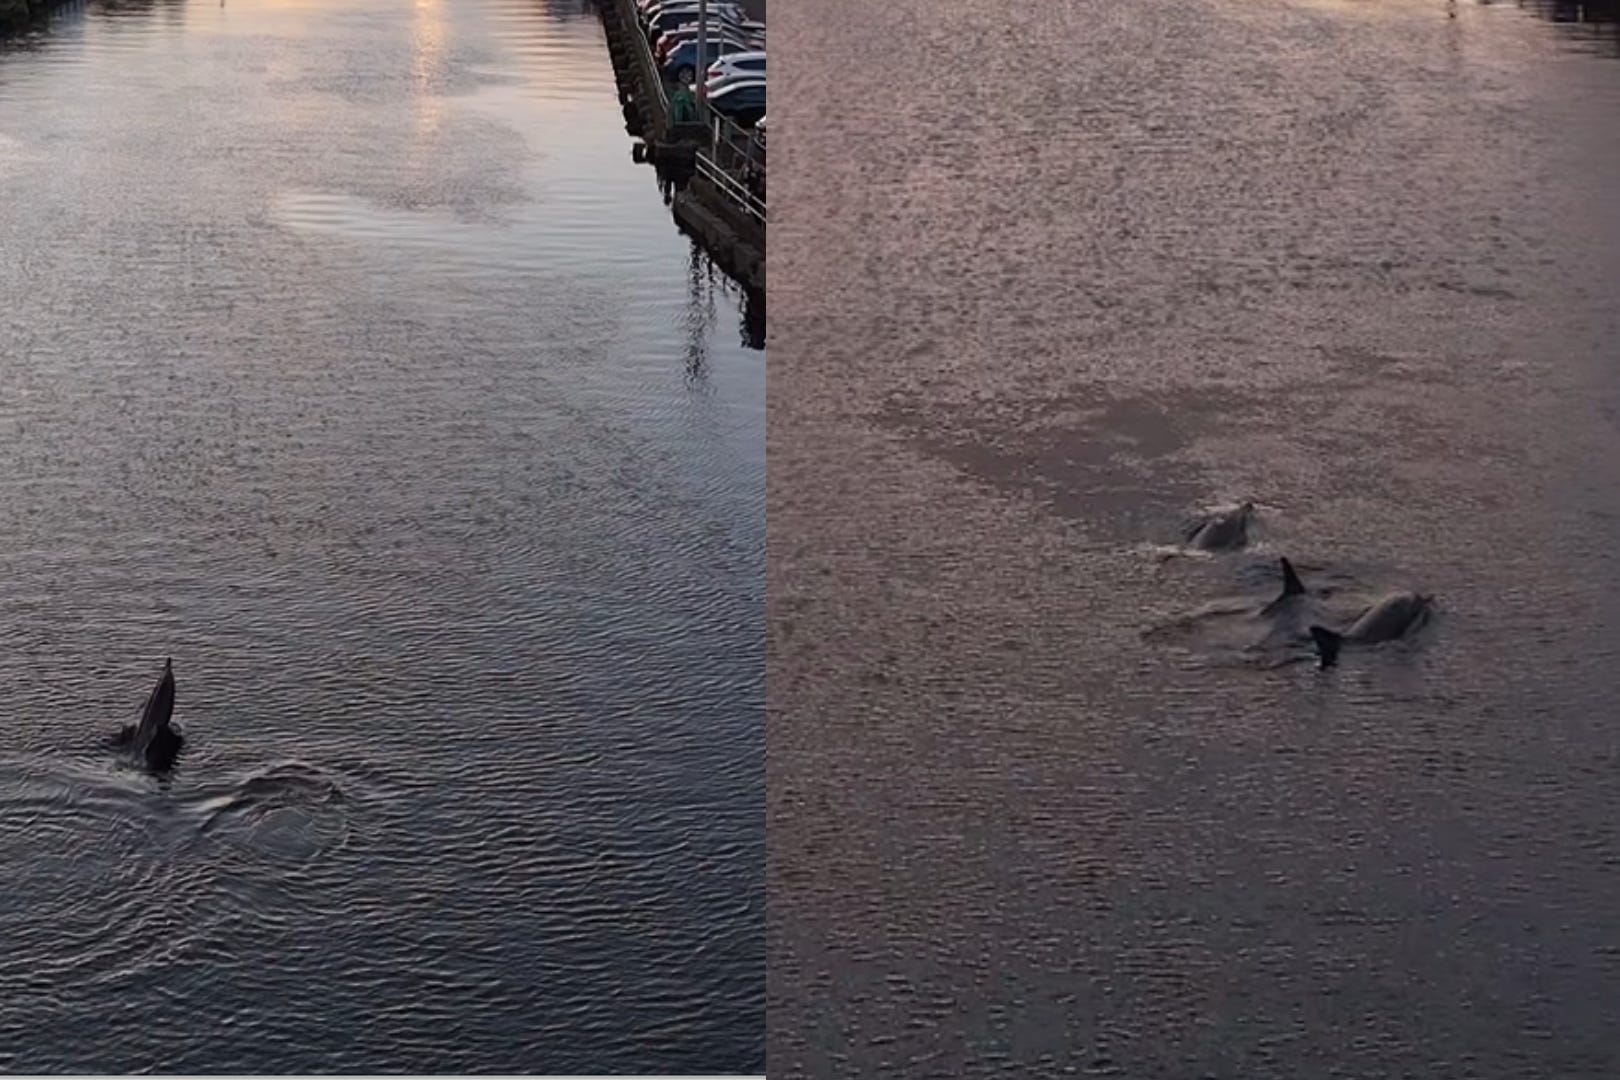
(1052, 277)
(346, 357)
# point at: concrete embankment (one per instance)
(725, 233)
(732, 238)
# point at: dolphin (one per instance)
(1290, 613)
(1292, 587)
(1390, 618)
(153, 738)
(1224, 530)
(1272, 627)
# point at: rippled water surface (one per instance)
(1044, 797)
(346, 357)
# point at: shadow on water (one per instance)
(566, 10)
(705, 282)
(1589, 20)
(116, 8)
(751, 302)
(671, 181)
(1575, 11)
(29, 35)
(672, 177)
(753, 318)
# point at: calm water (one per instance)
(347, 358)
(1054, 276)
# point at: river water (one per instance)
(347, 358)
(1054, 277)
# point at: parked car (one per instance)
(718, 10)
(737, 62)
(673, 15)
(716, 25)
(652, 8)
(720, 82)
(742, 101)
(716, 7)
(689, 28)
(689, 33)
(683, 61)
(688, 20)
(678, 19)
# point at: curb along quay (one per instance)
(713, 149)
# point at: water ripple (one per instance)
(349, 360)
(1053, 277)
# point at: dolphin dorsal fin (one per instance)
(1292, 586)
(1328, 644)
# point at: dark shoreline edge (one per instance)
(18, 15)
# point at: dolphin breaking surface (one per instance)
(1222, 530)
(1372, 274)
(1390, 619)
(153, 739)
(331, 412)
(1274, 632)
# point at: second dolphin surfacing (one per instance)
(1392, 617)
(1223, 530)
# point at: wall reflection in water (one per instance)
(1589, 20)
(705, 282)
(706, 276)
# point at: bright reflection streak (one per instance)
(427, 63)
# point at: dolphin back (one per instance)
(1224, 531)
(1390, 618)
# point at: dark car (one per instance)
(682, 62)
(743, 102)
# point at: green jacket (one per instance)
(683, 106)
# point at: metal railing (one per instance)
(735, 163)
(734, 189)
(649, 67)
(734, 146)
